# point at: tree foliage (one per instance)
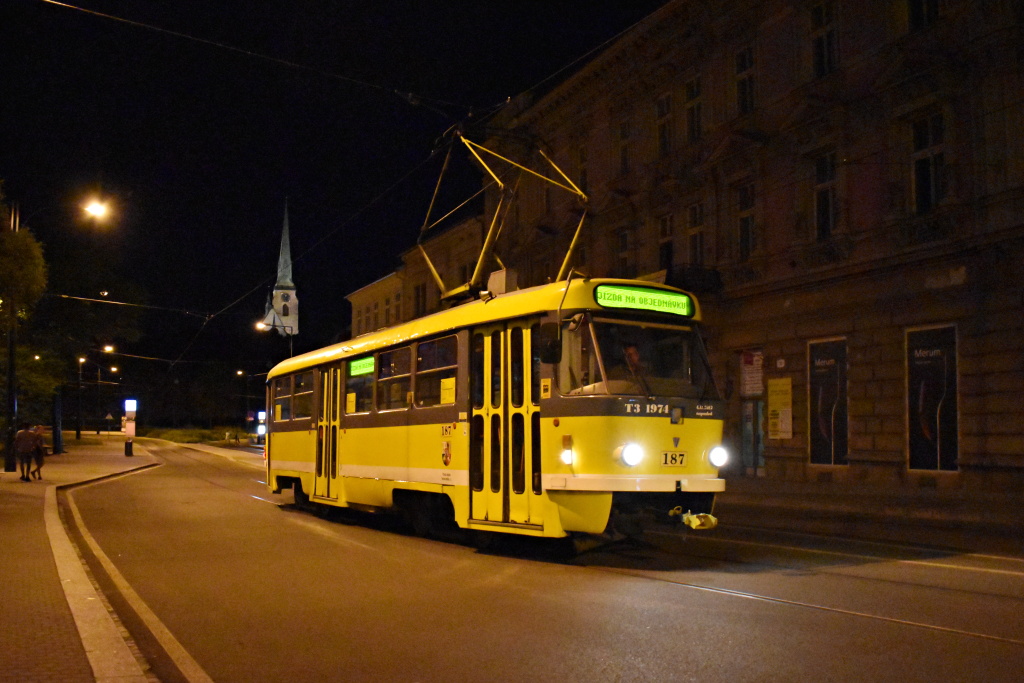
(22, 274)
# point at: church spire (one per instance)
(283, 307)
(284, 259)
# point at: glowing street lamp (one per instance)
(97, 209)
(288, 329)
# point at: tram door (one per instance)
(326, 473)
(504, 427)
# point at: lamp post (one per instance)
(82, 360)
(288, 330)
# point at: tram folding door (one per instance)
(503, 425)
(328, 401)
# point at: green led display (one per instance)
(643, 299)
(363, 366)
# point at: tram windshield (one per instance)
(631, 358)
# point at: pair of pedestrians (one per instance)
(29, 446)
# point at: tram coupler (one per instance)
(698, 522)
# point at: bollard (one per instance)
(128, 448)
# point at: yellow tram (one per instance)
(582, 406)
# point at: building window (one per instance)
(745, 220)
(666, 228)
(580, 258)
(825, 212)
(581, 166)
(624, 135)
(398, 307)
(663, 116)
(826, 52)
(695, 233)
(376, 315)
(624, 253)
(929, 170)
(923, 13)
(693, 110)
(745, 81)
(419, 300)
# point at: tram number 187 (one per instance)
(673, 459)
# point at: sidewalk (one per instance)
(55, 627)
(991, 522)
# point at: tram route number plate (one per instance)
(673, 458)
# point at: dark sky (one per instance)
(199, 145)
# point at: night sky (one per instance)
(336, 106)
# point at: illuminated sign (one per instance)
(363, 366)
(131, 405)
(644, 299)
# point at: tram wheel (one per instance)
(300, 496)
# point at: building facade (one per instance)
(842, 184)
(411, 291)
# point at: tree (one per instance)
(22, 283)
(22, 275)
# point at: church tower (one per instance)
(283, 306)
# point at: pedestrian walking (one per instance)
(40, 453)
(25, 442)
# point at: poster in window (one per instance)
(752, 373)
(932, 399)
(828, 416)
(780, 408)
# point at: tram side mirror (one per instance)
(549, 343)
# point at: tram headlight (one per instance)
(567, 456)
(718, 456)
(630, 454)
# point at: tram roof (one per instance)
(522, 302)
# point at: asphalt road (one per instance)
(248, 588)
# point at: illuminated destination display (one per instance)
(644, 299)
(363, 366)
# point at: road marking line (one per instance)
(821, 608)
(108, 653)
(188, 666)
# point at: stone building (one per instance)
(841, 184)
(411, 291)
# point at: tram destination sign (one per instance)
(644, 299)
(363, 366)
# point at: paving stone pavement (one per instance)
(40, 639)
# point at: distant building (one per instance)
(411, 291)
(842, 183)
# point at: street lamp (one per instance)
(96, 209)
(288, 330)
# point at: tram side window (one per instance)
(436, 363)
(476, 370)
(393, 374)
(359, 386)
(282, 399)
(302, 395)
(535, 364)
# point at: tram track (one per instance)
(806, 605)
(839, 565)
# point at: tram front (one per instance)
(636, 410)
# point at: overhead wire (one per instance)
(412, 99)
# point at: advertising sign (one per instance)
(932, 410)
(780, 408)
(828, 405)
